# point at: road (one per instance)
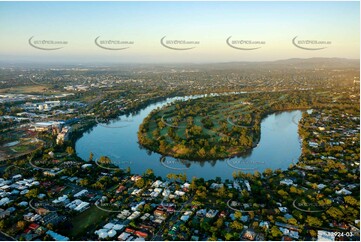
(6, 237)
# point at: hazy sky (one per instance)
(145, 23)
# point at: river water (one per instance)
(279, 146)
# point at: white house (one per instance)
(186, 185)
(215, 186)
(323, 235)
(157, 183)
(179, 193)
(247, 185)
(287, 182)
(321, 186)
(211, 213)
(166, 192)
(135, 208)
(81, 193)
(343, 191)
(23, 204)
(4, 201)
(17, 177)
(283, 209)
(82, 206)
(62, 199)
(86, 166)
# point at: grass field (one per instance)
(25, 89)
(24, 146)
(87, 221)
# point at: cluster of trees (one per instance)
(203, 128)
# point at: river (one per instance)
(279, 146)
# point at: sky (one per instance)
(209, 24)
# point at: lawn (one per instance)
(37, 89)
(87, 221)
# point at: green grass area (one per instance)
(198, 138)
(87, 221)
(25, 143)
(20, 148)
(33, 89)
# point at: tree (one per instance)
(222, 192)
(156, 133)
(50, 226)
(238, 215)
(313, 233)
(204, 225)
(99, 185)
(213, 151)
(161, 125)
(193, 185)
(149, 172)
(147, 208)
(213, 238)
(2, 224)
(201, 192)
(171, 176)
(351, 200)
(202, 152)
(70, 150)
(312, 221)
(268, 172)
(183, 177)
(283, 193)
(275, 232)
(219, 223)
(84, 182)
(162, 146)
(255, 225)
(228, 236)
(105, 160)
(236, 225)
(47, 238)
(140, 183)
(257, 174)
(234, 174)
(292, 221)
(21, 225)
(91, 156)
(335, 213)
(33, 193)
(127, 170)
(293, 190)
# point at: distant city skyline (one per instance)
(218, 31)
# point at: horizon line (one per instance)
(51, 62)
